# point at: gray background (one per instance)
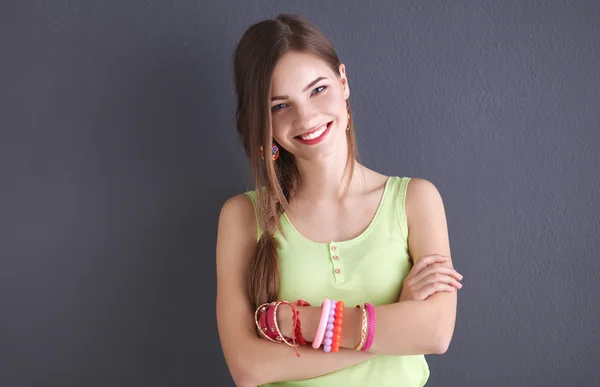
(118, 149)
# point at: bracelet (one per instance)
(298, 330)
(364, 325)
(328, 340)
(268, 327)
(371, 330)
(261, 323)
(337, 326)
(325, 305)
(273, 329)
(280, 336)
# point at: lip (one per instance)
(315, 140)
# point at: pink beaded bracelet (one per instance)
(371, 330)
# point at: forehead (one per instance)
(295, 70)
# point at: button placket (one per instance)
(336, 261)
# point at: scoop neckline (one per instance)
(362, 235)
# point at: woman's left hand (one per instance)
(431, 274)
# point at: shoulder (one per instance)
(426, 218)
(422, 199)
(238, 203)
(238, 215)
(421, 189)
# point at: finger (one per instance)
(437, 278)
(433, 268)
(425, 261)
(440, 287)
(430, 289)
(446, 279)
(436, 268)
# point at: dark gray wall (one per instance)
(118, 148)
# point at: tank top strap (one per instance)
(393, 214)
(252, 196)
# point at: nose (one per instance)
(305, 117)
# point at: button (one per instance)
(333, 248)
(337, 271)
(335, 257)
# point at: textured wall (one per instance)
(117, 149)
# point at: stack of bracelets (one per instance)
(329, 331)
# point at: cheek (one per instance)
(332, 101)
(335, 105)
(281, 128)
(278, 126)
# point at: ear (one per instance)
(344, 81)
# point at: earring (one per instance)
(274, 152)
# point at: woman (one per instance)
(362, 260)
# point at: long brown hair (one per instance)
(255, 57)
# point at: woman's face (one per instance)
(308, 106)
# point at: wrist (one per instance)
(285, 320)
(309, 318)
(309, 322)
(351, 328)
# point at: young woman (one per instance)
(329, 273)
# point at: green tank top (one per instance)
(368, 268)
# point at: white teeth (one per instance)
(314, 135)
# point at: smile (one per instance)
(314, 136)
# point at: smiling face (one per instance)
(308, 106)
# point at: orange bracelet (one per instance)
(337, 326)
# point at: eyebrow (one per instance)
(277, 97)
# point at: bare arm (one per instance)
(427, 236)
(407, 327)
(251, 360)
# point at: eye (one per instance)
(277, 107)
(320, 88)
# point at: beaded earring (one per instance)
(274, 152)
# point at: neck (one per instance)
(326, 179)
